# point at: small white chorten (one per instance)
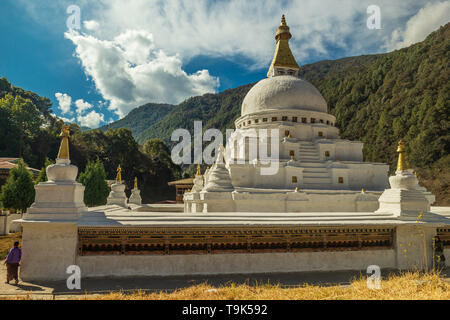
(61, 197)
(217, 193)
(198, 181)
(135, 197)
(117, 195)
(404, 200)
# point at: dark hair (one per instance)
(16, 244)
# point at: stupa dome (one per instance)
(283, 93)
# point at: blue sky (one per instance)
(127, 53)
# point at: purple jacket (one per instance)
(14, 255)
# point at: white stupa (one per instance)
(117, 195)
(329, 171)
(135, 196)
(61, 196)
(406, 199)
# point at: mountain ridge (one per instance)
(141, 117)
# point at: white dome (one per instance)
(283, 93)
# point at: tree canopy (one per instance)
(94, 179)
(18, 191)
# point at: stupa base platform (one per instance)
(282, 200)
(113, 241)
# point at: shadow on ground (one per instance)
(151, 284)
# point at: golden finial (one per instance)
(401, 163)
(363, 190)
(135, 183)
(415, 173)
(283, 32)
(296, 189)
(283, 56)
(119, 174)
(63, 152)
(199, 172)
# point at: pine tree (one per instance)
(42, 177)
(18, 191)
(94, 179)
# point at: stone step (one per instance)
(316, 183)
(308, 154)
(308, 149)
(316, 174)
(312, 164)
(316, 180)
(315, 170)
(308, 158)
(315, 186)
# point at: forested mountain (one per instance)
(141, 118)
(214, 110)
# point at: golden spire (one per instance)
(199, 172)
(119, 174)
(283, 20)
(63, 152)
(283, 55)
(135, 183)
(401, 163)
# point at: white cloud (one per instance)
(91, 25)
(82, 106)
(247, 28)
(66, 120)
(128, 71)
(91, 120)
(428, 19)
(64, 101)
(235, 27)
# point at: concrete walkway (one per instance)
(58, 289)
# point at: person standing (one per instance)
(12, 263)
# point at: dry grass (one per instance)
(7, 242)
(397, 287)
